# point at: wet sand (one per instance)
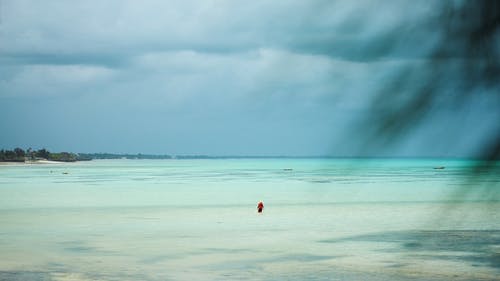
(211, 243)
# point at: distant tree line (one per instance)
(16, 155)
(89, 156)
(20, 155)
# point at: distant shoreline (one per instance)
(31, 162)
(19, 157)
(201, 157)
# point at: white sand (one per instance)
(44, 162)
(31, 162)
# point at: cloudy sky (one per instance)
(217, 77)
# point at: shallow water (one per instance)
(324, 219)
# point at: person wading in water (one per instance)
(260, 207)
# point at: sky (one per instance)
(288, 78)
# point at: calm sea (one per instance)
(324, 219)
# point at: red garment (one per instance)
(260, 207)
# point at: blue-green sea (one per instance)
(324, 219)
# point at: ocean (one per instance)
(196, 219)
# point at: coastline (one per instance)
(34, 162)
(9, 163)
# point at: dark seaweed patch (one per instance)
(24, 276)
(480, 246)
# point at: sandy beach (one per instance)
(10, 163)
(34, 162)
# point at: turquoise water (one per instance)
(324, 219)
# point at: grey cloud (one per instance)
(93, 32)
(214, 77)
(104, 59)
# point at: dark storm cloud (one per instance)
(214, 77)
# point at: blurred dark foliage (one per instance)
(469, 37)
